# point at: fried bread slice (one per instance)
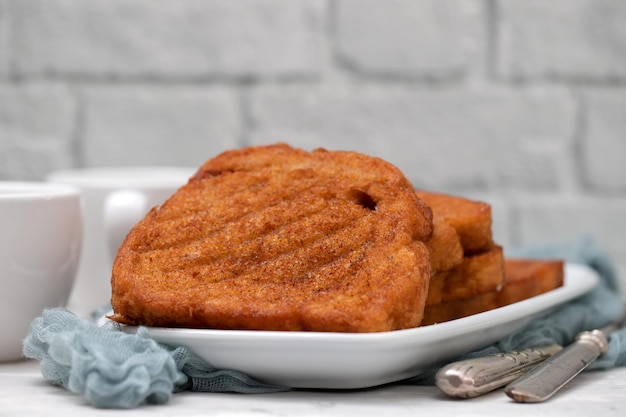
(470, 218)
(524, 278)
(277, 238)
(477, 274)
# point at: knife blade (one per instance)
(473, 377)
(542, 382)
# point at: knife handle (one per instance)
(473, 377)
(546, 379)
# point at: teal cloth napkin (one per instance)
(112, 369)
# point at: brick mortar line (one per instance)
(245, 114)
(424, 85)
(580, 132)
(492, 30)
(363, 88)
(353, 75)
(78, 133)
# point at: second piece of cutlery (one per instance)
(545, 380)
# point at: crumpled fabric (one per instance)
(109, 368)
(596, 309)
(112, 369)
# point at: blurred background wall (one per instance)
(519, 103)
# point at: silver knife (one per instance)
(473, 377)
(546, 379)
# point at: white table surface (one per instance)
(23, 392)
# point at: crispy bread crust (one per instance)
(444, 246)
(277, 238)
(471, 219)
(524, 278)
(475, 275)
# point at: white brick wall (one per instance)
(567, 218)
(158, 125)
(37, 125)
(604, 141)
(165, 38)
(520, 103)
(571, 39)
(409, 37)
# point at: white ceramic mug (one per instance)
(40, 243)
(115, 198)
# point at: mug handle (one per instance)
(122, 210)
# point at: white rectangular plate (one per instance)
(357, 360)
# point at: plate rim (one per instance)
(566, 292)
(389, 356)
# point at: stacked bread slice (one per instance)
(470, 273)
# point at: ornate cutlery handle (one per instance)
(473, 377)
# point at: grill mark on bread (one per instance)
(250, 243)
(198, 221)
(224, 267)
(205, 232)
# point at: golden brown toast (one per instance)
(442, 312)
(477, 274)
(471, 219)
(524, 278)
(277, 238)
